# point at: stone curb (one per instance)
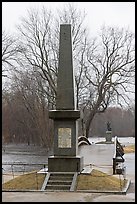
(124, 191)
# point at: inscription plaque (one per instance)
(64, 137)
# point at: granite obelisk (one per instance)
(65, 116)
(65, 83)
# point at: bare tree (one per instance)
(37, 50)
(10, 49)
(40, 42)
(110, 70)
(29, 112)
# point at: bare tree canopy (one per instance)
(10, 49)
(104, 67)
(110, 71)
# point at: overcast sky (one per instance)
(121, 14)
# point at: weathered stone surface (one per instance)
(108, 136)
(65, 164)
(67, 143)
(64, 114)
(65, 82)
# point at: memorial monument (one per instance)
(65, 158)
(108, 133)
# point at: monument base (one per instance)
(108, 136)
(65, 164)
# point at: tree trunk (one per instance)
(89, 120)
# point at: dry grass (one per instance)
(129, 149)
(98, 180)
(30, 181)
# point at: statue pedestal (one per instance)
(108, 136)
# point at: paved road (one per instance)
(65, 197)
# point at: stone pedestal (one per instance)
(108, 136)
(65, 132)
(65, 164)
(65, 157)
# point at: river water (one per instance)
(35, 157)
(122, 140)
(24, 157)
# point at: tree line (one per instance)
(104, 69)
(122, 123)
(27, 121)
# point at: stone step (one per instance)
(57, 190)
(62, 174)
(58, 187)
(58, 182)
(61, 178)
